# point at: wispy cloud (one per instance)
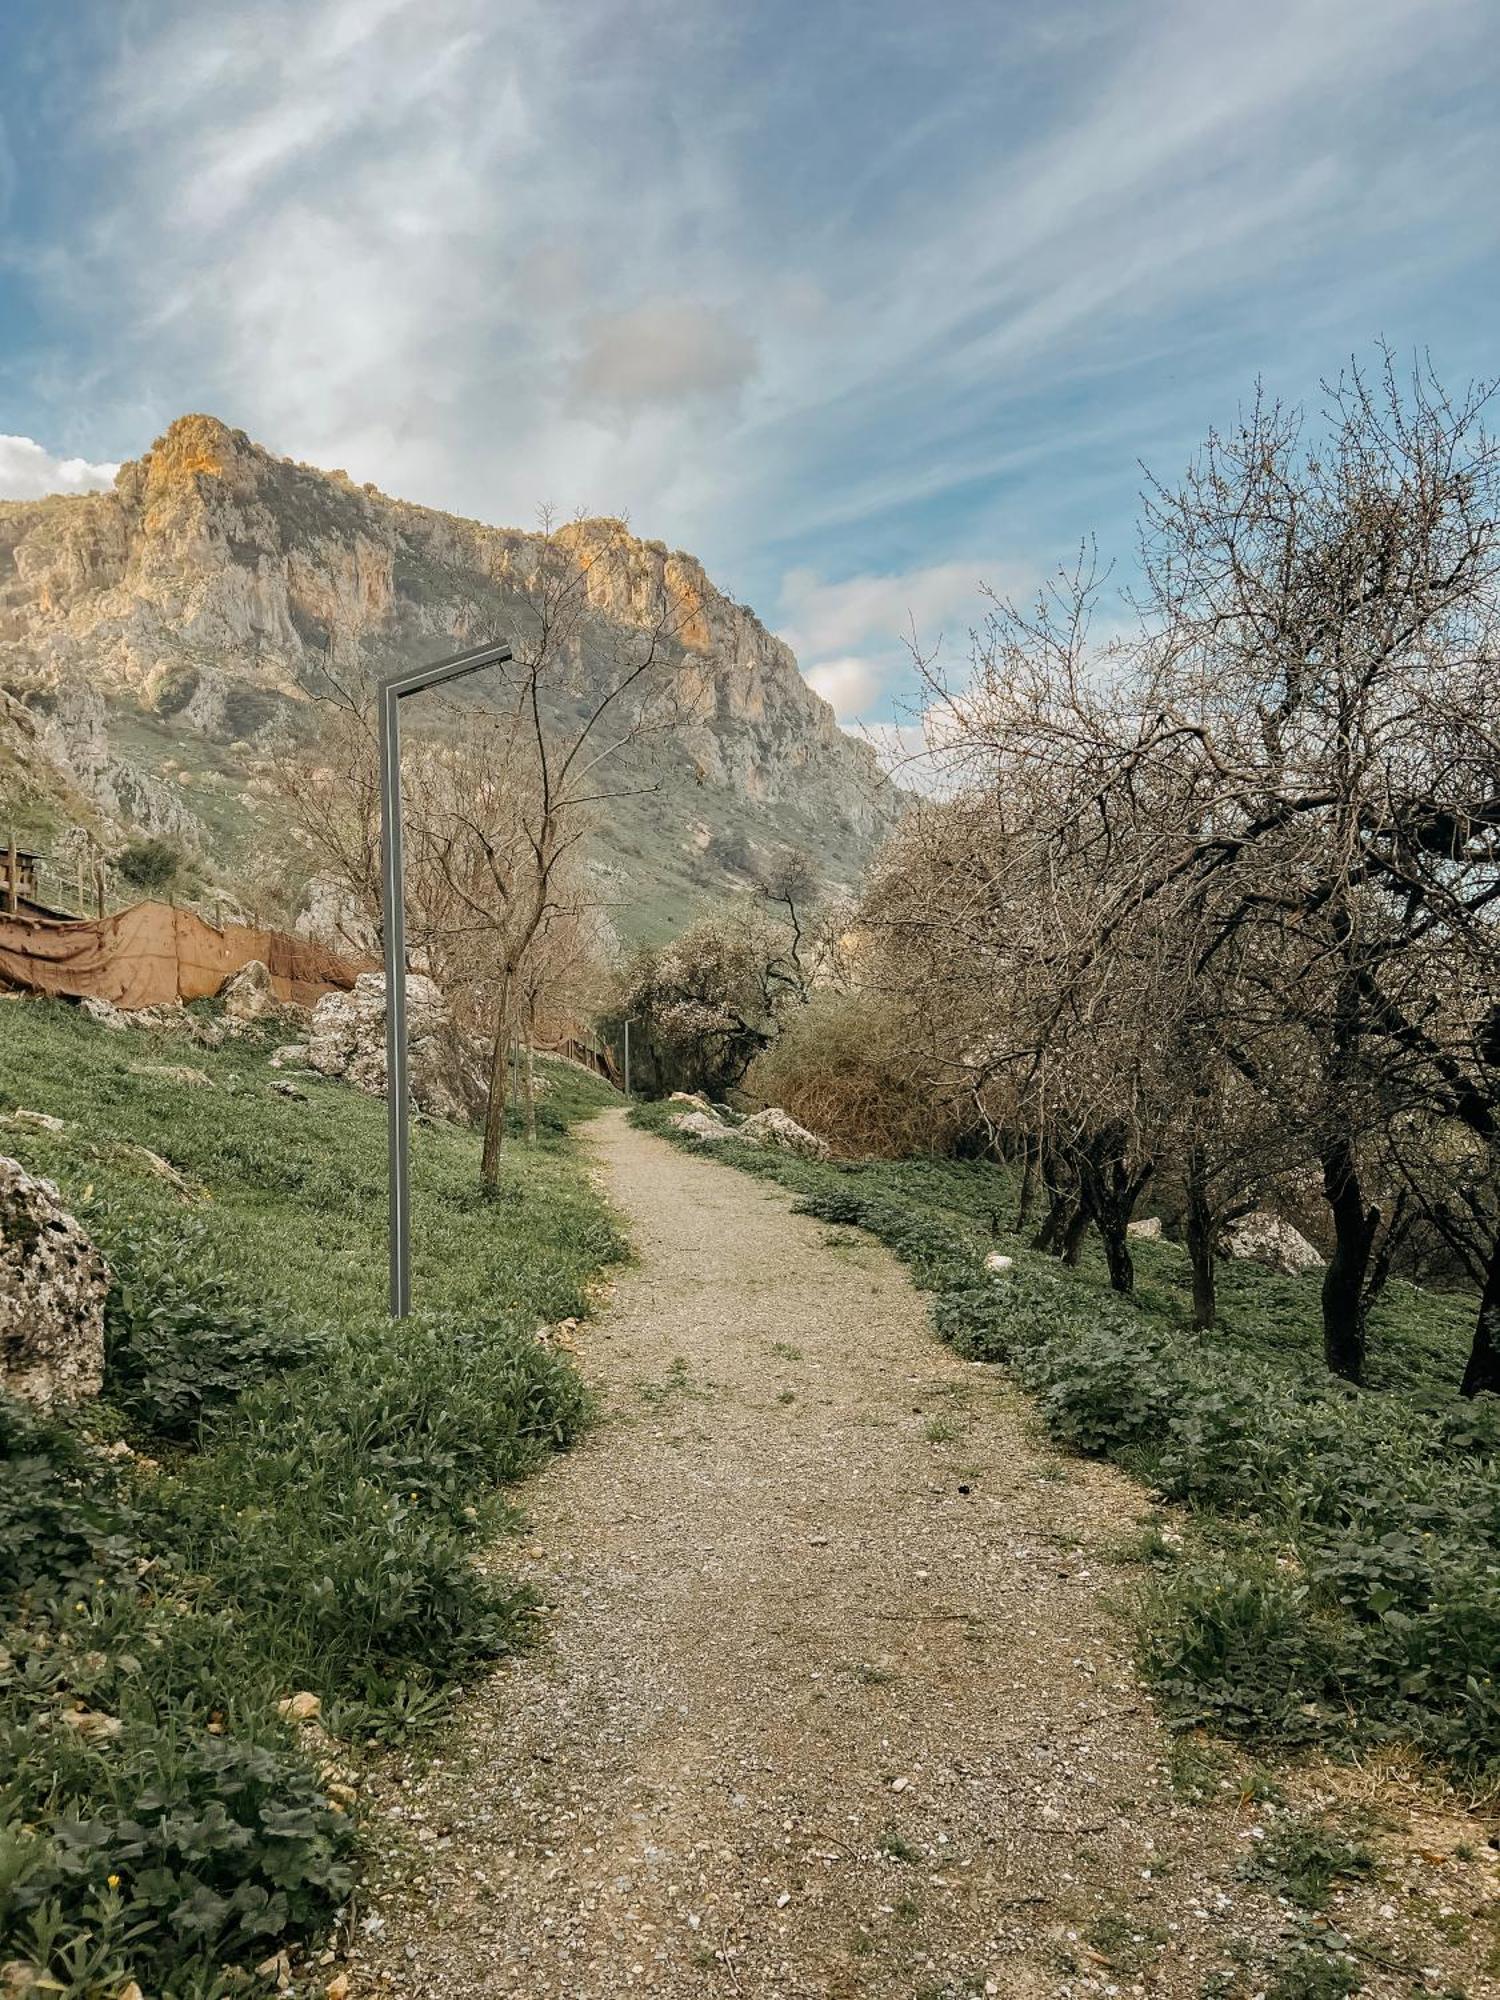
(861, 305)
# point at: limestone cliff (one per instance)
(160, 637)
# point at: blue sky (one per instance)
(860, 302)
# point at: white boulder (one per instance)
(1263, 1238)
(778, 1128)
(346, 1039)
(1148, 1229)
(248, 995)
(703, 1126)
(52, 1287)
(999, 1263)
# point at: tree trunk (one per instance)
(1344, 1295)
(1062, 1198)
(1110, 1192)
(1077, 1228)
(1199, 1228)
(1117, 1254)
(1030, 1146)
(530, 1091)
(1050, 1236)
(1483, 1371)
(494, 1104)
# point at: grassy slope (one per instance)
(1339, 1582)
(308, 1527)
(295, 1191)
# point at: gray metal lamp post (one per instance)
(392, 893)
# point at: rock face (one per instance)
(216, 583)
(779, 1128)
(52, 1287)
(347, 1040)
(1264, 1238)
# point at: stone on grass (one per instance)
(346, 1040)
(703, 1126)
(52, 1287)
(1148, 1229)
(999, 1263)
(779, 1128)
(103, 1013)
(1263, 1238)
(183, 1073)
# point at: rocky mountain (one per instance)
(160, 641)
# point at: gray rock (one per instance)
(1148, 1229)
(247, 995)
(183, 1073)
(52, 1287)
(780, 1128)
(1263, 1238)
(703, 1126)
(103, 1013)
(346, 1039)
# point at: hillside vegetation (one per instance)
(278, 1495)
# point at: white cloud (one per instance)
(492, 256)
(819, 617)
(28, 471)
(851, 685)
(853, 638)
(663, 352)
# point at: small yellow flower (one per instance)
(114, 1881)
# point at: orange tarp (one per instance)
(152, 953)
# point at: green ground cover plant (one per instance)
(278, 1492)
(1340, 1578)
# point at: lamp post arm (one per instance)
(393, 692)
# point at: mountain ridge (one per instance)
(155, 639)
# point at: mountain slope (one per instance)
(160, 640)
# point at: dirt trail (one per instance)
(833, 1705)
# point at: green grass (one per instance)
(306, 1488)
(1338, 1580)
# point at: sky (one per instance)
(865, 304)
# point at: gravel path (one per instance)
(832, 1704)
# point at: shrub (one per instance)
(179, 1345)
(844, 1067)
(150, 865)
(62, 1523)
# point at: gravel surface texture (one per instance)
(830, 1700)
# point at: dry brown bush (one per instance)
(844, 1067)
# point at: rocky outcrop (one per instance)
(346, 1039)
(52, 1287)
(213, 587)
(780, 1129)
(1263, 1238)
(703, 1126)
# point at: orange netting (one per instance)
(152, 953)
